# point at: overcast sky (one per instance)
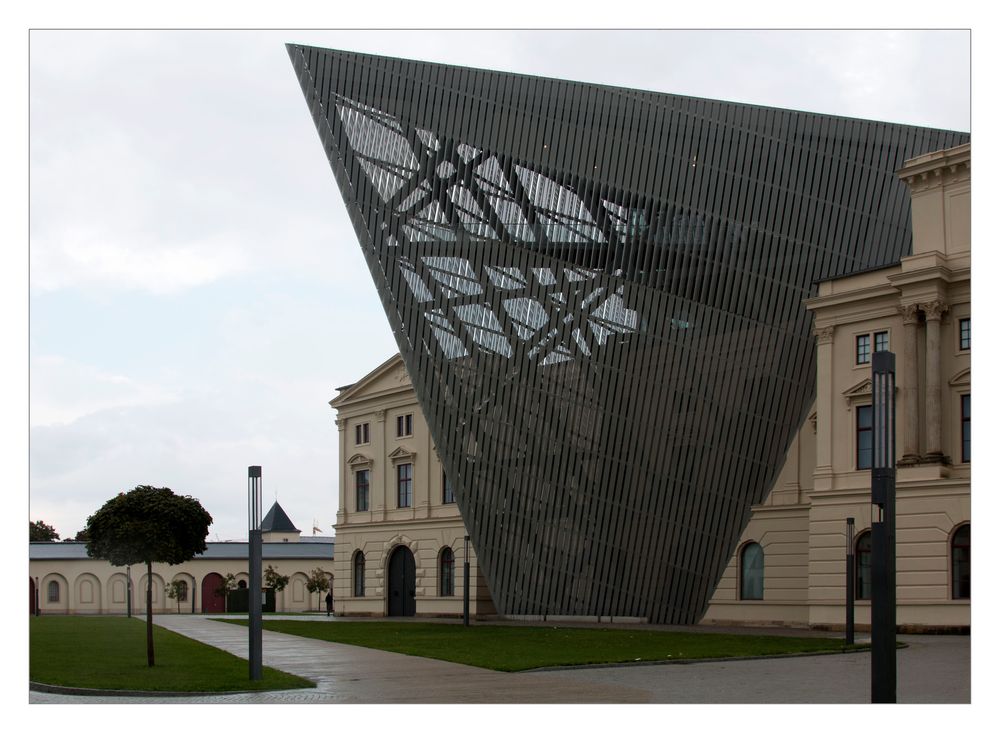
(196, 291)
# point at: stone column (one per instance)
(932, 389)
(911, 413)
(381, 470)
(343, 469)
(822, 477)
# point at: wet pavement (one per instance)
(932, 669)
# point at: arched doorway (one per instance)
(211, 601)
(402, 583)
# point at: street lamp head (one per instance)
(884, 409)
(253, 497)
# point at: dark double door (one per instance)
(402, 583)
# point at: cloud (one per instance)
(160, 170)
(63, 390)
(87, 259)
(200, 445)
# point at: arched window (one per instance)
(53, 591)
(863, 567)
(961, 586)
(359, 574)
(752, 572)
(182, 590)
(242, 585)
(447, 564)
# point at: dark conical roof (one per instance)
(277, 521)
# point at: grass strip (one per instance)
(109, 653)
(518, 648)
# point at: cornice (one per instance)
(941, 273)
(934, 169)
(843, 315)
(884, 290)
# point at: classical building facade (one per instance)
(64, 580)
(401, 545)
(790, 565)
(597, 293)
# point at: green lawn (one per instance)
(109, 653)
(516, 648)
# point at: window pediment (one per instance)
(860, 391)
(402, 454)
(962, 378)
(359, 461)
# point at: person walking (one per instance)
(329, 602)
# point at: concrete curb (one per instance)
(658, 662)
(56, 689)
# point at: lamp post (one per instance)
(128, 591)
(883, 527)
(38, 598)
(849, 598)
(465, 575)
(256, 580)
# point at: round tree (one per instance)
(147, 525)
(41, 532)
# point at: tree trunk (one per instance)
(149, 614)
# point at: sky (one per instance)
(196, 291)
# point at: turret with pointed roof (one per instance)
(277, 527)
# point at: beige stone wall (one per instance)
(802, 524)
(97, 587)
(425, 540)
(426, 527)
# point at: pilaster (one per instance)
(911, 413)
(933, 311)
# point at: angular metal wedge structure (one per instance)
(597, 293)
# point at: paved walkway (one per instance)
(933, 669)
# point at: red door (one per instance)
(212, 602)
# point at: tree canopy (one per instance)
(41, 532)
(274, 579)
(317, 582)
(148, 524)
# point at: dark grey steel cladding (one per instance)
(597, 293)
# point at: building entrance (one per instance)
(402, 583)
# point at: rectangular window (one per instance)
(404, 485)
(882, 341)
(864, 441)
(361, 490)
(966, 428)
(964, 334)
(404, 425)
(361, 436)
(448, 495)
(863, 349)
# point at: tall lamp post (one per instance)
(465, 575)
(849, 598)
(883, 607)
(255, 552)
